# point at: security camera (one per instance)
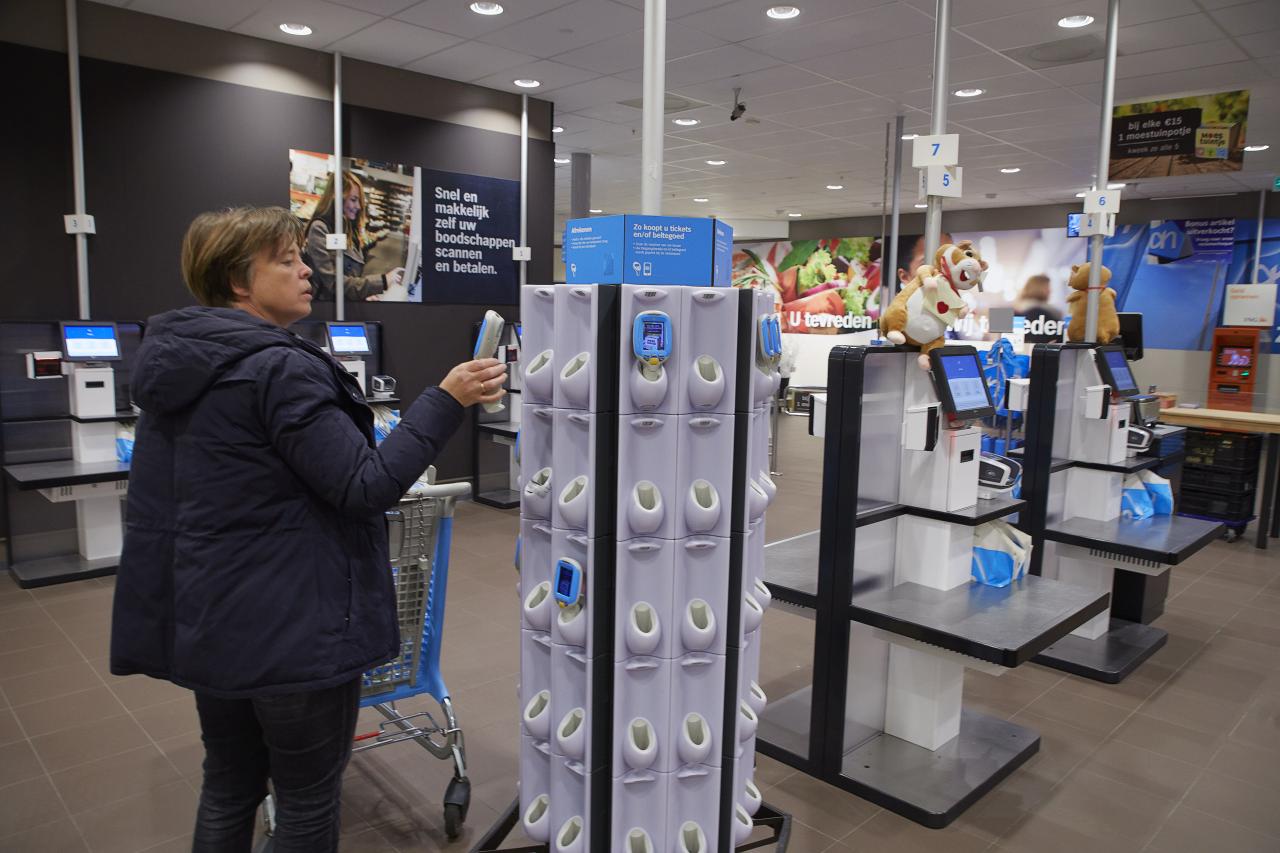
(739, 108)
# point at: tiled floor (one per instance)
(1184, 757)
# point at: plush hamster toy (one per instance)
(930, 302)
(1108, 321)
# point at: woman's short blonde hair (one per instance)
(220, 246)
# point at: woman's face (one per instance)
(351, 203)
(279, 286)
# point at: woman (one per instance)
(356, 286)
(1033, 304)
(255, 568)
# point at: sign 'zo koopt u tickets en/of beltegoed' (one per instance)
(671, 250)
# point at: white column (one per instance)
(938, 122)
(1104, 158)
(339, 197)
(655, 99)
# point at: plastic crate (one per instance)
(1210, 447)
(1217, 478)
(1233, 506)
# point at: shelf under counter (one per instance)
(1166, 539)
(980, 513)
(47, 571)
(1131, 465)
(1007, 626)
(30, 476)
(506, 429)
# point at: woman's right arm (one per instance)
(324, 447)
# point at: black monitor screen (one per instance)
(1124, 383)
(348, 339)
(90, 342)
(962, 386)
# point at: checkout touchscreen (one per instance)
(348, 339)
(90, 342)
(961, 385)
(1114, 368)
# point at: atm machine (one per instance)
(1233, 375)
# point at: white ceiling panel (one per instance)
(1226, 77)
(768, 81)
(1247, 17)
(625, 52)
(1261, 44)
(469, 61)
(740, 20)
(378, 7)
(1169, 33)
(710, 65)
(860, 114)
(328, 21)
(552, 75)
(567, 28)
(456, 18)
(601, 90)
(828, 94)
(1179, 59)
(221, 15)
(394, 42)
(823, 38)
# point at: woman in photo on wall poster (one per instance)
(356, 285)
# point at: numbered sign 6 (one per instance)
(1102, 201)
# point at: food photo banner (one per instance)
(1179, 136)
(829, 286)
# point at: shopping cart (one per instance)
(419, 530)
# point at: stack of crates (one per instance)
(1220, 475)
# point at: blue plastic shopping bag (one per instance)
(1135, 502)
(1160, 492)
(1000, 553)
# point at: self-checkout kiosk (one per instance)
(349, 344)
(88, 351)
(1233, 373)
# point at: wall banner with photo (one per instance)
(471, 225)
(821, 287)
(380, 200)
(1179, 136)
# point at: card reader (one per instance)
(487, 346)
(568, 583)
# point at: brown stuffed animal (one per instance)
(930, 302)
(1077, 302)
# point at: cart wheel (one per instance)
(1231, 534)
(457, 799)
(452, 821)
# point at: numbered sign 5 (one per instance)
(940, 150)
(1102, 201)
(943, 181)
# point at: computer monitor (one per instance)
(348, 339)
(1131, 334)
(961, 386)
(84, 340)
(1114, 369)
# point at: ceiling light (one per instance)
(969, 93)
(295, 29)
(557, 129)
(685, 122)
(1256, 147)
(595, 210)
(795, 215)
(702, 200)
(715, 162)
(835, 186)
(480, 7)
(907, 137)
(1080, 195)
(783, 13)
(922, 206)
(526, 83)
(1012, 170)
(1116, 186)
(1072, 22)
(560, 161)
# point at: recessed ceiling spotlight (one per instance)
(480, 7)
(557, 129)
(1012, 170)
(295, 29)
(1116, 186)
(783, 13)
(795, 215)
(835, 186)
(595, 210)
(1080, 195)
(702, 200)
(560, 161)
(685, 122)
(969, 93)
(1256, 148)
(527, 83)
(715, 162)
(907, 137)
(922, 206)
(1073, 22)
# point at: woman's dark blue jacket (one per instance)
(255, 549)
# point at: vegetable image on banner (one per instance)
(827, 286)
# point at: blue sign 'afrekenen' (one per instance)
(469, 226)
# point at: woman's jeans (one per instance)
(300, 741)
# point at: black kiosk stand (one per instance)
(898, 619)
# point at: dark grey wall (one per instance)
(1241, 206)
(162, 147)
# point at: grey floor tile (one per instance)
(1176, 741)
(61, 836)
(1190, 831)
(169, 719)
(1064, 704)
(50, 683)
(29, 804)
(1142, 769)
(1250, 762)
(88, 742)
(1195, 710)
(145, 820)
(829, 810)
(64, 712)
(18, 763)
(889, 833)
(1249, 806)
(118, 777)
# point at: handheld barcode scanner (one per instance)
(769, 351)
(568, 586)
(487, 346)
(651, 336)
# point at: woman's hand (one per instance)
(478, 381)
(395, 278)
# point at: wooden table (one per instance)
(1226, 420)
